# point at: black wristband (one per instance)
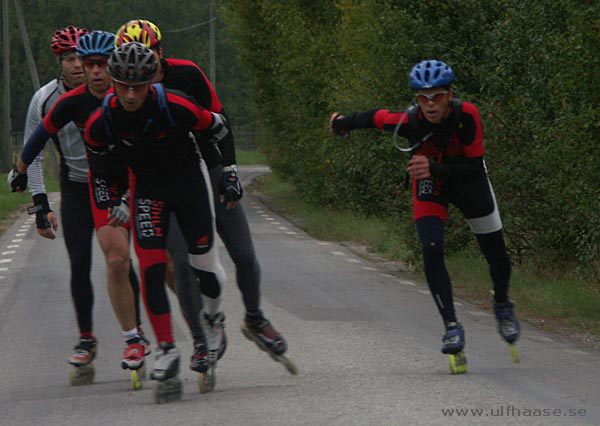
(42, 200)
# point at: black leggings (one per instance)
(431, 235)
(78, 228)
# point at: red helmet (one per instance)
(66, 39)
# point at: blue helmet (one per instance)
(96, 43)
(430, 73)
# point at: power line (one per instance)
(191, 26)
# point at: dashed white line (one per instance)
(479, 314)
(368, 268)
(283, 228)
(457, 304)
(5, 260)
(423, 292)
(322, 243)
(387, 275)
(541, 338)
(291, 232)
(269, 218)
(406, 282)
(353, 261)
(17, 240)
(275, 223)
(4, 253)
(576, 352)
(3, 269)
(338, 253)
(20, 234)
(264, 215)
(13, 246)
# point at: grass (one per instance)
(566, 304)
(14, 203)
(249, 157)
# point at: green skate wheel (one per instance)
(207, 380)
(137, 377)
(514, 352)
(289, 365)
(82, 375)
(458, 363)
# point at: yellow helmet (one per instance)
(139, 30)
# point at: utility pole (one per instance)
(6, 159)
(212, 43)
(25, 38)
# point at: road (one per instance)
(366, 343)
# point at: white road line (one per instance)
(423, 292)
(387, 276)
(17, 240)
(20, 234)
(5, 260)
(406, 282)
(269, 218)
(265, 215)
(338, 253)
(291, 232)
(457, 304)
(353, 261)
(479, 313)
(576, 352)
(283, 228)
(3, 269)
(13, 246)
(541, 338)
(4, 253)
(322, 243)
(368, 268)
(275, 223)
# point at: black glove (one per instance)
(16, 181)
(230, 184)
(41, 208)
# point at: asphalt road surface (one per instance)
(366, 343)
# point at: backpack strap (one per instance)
(107, 117)
(163, 104)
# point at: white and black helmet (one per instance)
(132, 63)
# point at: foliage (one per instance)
(532, 68)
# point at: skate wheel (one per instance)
(207, 381)
(168, 390)
(458, 363)
(514, 352)
(82, 375)
(137, 377)
(289, 365)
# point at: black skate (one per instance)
(508, 326)
(453, 345)
(166, 368)
(216, 344)
(259, 330)
(83, 370)
(199, 363)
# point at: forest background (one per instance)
(531, 67)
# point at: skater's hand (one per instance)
(53, 226)
(118, 215)
(418, 167)
(230, 187)
(334, 126)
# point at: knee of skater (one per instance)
(117, 264)
(209, 284)
(432, 248)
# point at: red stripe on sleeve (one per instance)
(384, 116)
(203, 117)
(96, 116)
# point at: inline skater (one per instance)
(148, 128)
(447, 168)
(80, 214)
(232, 225)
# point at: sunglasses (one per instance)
(435, 97)
(136, 87)
(89, 63)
